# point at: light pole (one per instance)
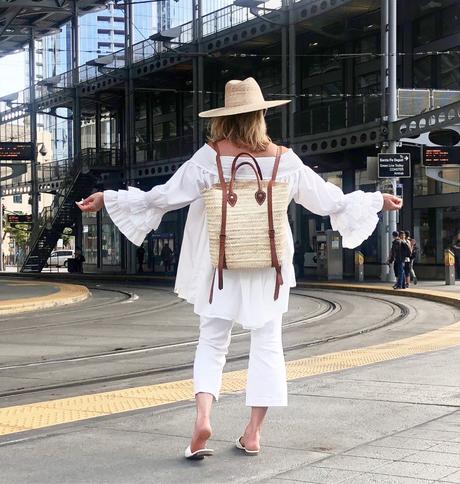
(389, 91)
(1, 229)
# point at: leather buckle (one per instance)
(271, 234)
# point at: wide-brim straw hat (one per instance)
(242, 97)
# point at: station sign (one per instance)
(441, 155)
(14, 218)
(394, 165)
(16, 151)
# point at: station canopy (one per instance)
(44, 17)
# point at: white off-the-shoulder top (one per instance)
(247, 296)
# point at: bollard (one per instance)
(449, 264)
(359, 266)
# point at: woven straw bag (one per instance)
(246, 220)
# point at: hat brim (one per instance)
(215, 113)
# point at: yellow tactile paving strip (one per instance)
(45, 414)
(66, 294)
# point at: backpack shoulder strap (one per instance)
(271, 228)
(276, 164)
(223, 226)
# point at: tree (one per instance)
(19, 233)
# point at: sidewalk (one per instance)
(17, 296)
(392, 422)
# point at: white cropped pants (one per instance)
(266, 382)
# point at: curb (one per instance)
(67, 294)
(443, 297)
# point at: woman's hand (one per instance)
(391, 202)
(93, 203)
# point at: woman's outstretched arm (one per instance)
(136, 212)
(354, 215)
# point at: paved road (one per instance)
(129, 331)
(395, 421)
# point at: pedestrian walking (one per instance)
(413, 257)
(456, 251)
(392, 259)
(140, 254)
(79, 260)
(240, 224)
(299, 259)
(166, 257)
(404, 261)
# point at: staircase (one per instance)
(55, 218)
(77, 183)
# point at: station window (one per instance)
(423, 69)
(110, 242)
(425, 30)
(450, 20)
(434, 231)
(369, 44)
(449, 72)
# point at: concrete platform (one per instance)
(22, 295)
(378, 407)
(391, 422)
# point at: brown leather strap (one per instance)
(211, 292)
(271, 229)
(221, 263)
(276, 164)
(249, 156)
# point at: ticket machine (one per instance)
(329, 255)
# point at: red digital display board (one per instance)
(14, 218)
(16, 151)
(441, 155)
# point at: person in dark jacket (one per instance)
(400, 254)
(79, 259)
(411, 276)
(299, 259)
(393, 251)
(456, 250)
(166, 256)
(140, 254)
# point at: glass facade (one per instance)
(110, 243)
(435, 229)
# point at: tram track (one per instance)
(398, 313)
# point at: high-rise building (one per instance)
(101, 33)
(170, 13)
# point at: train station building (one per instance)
(132, 117)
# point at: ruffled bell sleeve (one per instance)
(354, 215)
(136, 212)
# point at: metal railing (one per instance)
(336, 115)
(212, 23)
(58, 170)
(168, 149)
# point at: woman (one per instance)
(247, 296)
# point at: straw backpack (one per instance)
(246, 220)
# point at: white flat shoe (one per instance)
(240, 446)
(198, 454)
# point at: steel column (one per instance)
(1, 229)
(284, 73)
(392, 97)
(292, 72)
(129, 121)
(98, 133)
(33, 130)
(389, 104)
(198, 75)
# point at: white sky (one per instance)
(12, 75)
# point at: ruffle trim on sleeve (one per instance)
(131, 214)
(357, 218)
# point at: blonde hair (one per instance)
(246, 130)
